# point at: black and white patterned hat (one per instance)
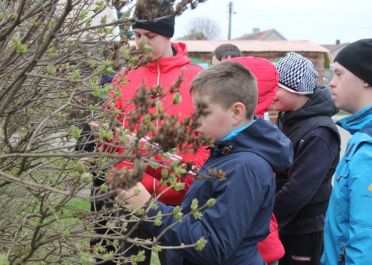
(297, 74)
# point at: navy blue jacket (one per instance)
(303, 191)
(244, 200)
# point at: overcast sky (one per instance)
(320, 21)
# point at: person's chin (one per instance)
(275, 105)
(334, 99)
(210, 137)
(338, 105)
(278, 108)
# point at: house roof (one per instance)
(255, 45)
(262, 35)
(335, 47)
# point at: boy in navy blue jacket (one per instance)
(247, 149)
(303, 191)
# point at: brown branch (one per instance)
(15, 23)
(28, 184)
(55, 78)
(175, 223)
(115, 23)
(143, 243)
(19, 80)
(68, 155)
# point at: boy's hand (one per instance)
(85, 160)
(94, 126)
(136, 196)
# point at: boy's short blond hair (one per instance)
(227, 83)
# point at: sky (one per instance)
(319, 21)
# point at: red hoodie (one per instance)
(271, 249)
(267, 80)
(164, 71)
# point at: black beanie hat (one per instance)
(357, 58)
(150, 11)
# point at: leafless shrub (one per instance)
(52, 55)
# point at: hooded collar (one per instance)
(357, 121)
(319, 103)
(262, 138)
(165, 64)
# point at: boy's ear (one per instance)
(365, 84)
(239, 110)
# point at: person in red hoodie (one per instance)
(169, 62)
(271, 249)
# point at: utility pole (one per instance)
(230, 17)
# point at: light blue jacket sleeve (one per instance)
(358, 247)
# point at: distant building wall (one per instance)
(319, 60)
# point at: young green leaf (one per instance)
(200, 244)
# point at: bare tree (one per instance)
(52, 55)
(202, 28)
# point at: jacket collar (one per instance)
(319, 103)
(261, 138)
(357, 121)
(167, 63)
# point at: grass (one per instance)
(79, 204)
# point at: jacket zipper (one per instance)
(341, 257)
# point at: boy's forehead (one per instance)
(198, 98)
(199, 95)
(142, 31)
(338, 67)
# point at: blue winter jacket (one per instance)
(244, 200)
(348, 226)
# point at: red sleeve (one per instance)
(152, 178)
(271, 248)
(170, 197)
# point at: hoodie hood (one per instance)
(264, 139)
(167, 63)
(317, 112)
(267, 80)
